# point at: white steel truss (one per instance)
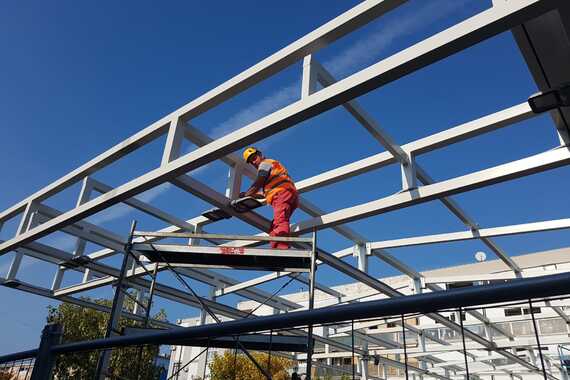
(526, 19)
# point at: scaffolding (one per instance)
(172, 256)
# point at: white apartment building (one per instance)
(437, 349)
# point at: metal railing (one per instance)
(516, 290)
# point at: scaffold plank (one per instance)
(227, 257)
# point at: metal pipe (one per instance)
(537, 339)
(353, 358)
(405, 347)
(463, 341)
(519, 289)
(311, 303)
(45, 360)
(18, 356)
(116, 308)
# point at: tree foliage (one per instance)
(80, 323)
(240, 367)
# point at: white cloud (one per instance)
(119, 210)
(67, 242)
(365, 50)
(265, 106)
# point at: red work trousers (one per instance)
(283, 203)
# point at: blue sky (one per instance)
(78, 77)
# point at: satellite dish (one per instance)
(480, 256)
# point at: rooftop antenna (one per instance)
(480, 256)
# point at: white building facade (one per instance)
(429, 345)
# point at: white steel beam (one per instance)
(147, 208)
(25, 224)
(354, 108)
(63, 256)
(515, 229)
(410, 169)
(84, 195)
(312, 42)
(473, 347)
(437, 47)
(200, 139)
(39, 291)
(174, 139)
(197, 221)
(515, 169)
(83, 230)
(309, 81)
(424, 145)
(558, 310)
(469, 221)
(121, 149)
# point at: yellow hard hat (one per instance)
(249, 152)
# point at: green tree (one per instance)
(80, 323)
(229, 366)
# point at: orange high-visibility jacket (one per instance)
(277, 181)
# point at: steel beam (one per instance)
(546, 286)
(516, 169)
(424, 145)
(312, 42)
(464, 34)
(515, 229)
(410, 168)
(200, 139)
(545, 46)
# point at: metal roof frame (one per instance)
(525, 18)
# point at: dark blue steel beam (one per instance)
(519, 289)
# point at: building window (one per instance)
(535, 310)
(513, 311)
(461, 284)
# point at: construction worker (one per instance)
(277, 188)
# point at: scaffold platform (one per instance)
(224, 257)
